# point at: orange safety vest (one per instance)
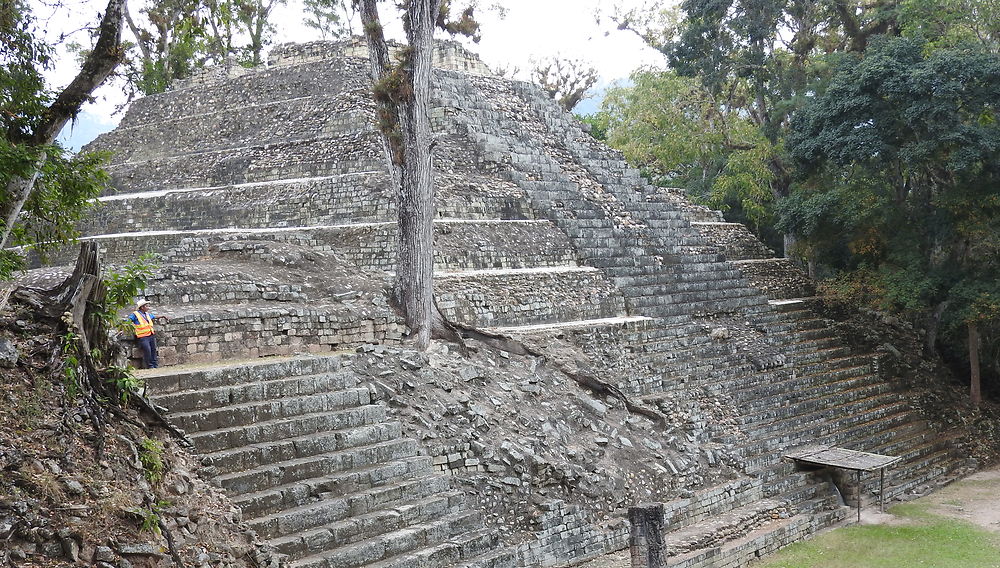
(145, 326)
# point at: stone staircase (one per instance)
(264, 198)
(320, 471)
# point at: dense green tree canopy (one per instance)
(900, 166)
(875, 121)
(677, 131)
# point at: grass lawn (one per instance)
(919, 539)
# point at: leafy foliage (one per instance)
(173, 38)
(332, 18)
(900, 161)
(566, 81)
(151, 457)
(22, 58)
(673, 128)
(66, 185)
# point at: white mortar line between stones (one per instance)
(784, 302)
(515, 271)
(231, 230)
(162, 192)
(575, 323)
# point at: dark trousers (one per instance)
(148, 345)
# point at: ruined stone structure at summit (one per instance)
(264, 194)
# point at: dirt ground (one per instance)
(975, 499)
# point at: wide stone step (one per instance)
(480, 549)
(257, 391)
(357, 479)
(249, 457)
(818, 355)
(841, 432)
(701, 295)
(161, 382)
(767, 539)
(314, 466)
(609, 325)
(711, 502)
(369, 525)
(272, 430)
(273, 409)
(736, 241)
(395, 543)
(704, 304)
(779, 324)
(332, 508)
(725, 526)
(684, 286)
(825, 424)
(779, 278)
(460, 245)
(797, 387)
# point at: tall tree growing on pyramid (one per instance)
(401, 87)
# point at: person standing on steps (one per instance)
(142, 321)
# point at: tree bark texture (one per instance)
(404, 120)
(102, 60)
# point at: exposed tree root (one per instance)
(88, 347)
(513, 346)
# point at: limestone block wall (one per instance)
(341, 113)
(254, 88)
(735, 240)
(449, 55)
(359, 152)
(371, 246)
(259, 330)
(363, 197)
(528, 297)
(779, 278)
(355, 197)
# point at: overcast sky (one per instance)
(531, 29)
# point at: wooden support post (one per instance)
(859, 496)
(646, 536)
(881, 490)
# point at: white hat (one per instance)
(141, 303)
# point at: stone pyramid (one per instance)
(263, 194)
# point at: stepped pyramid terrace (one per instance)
(264, 196)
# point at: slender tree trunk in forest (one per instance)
(402, 93)
(934, 326)
(19, 189)
(102, 60)
(975, 394)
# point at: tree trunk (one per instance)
(406, 128)
(102, 60)
(975, 394)
(19, 189)
(933, 327)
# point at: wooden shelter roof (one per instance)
(842, 457)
